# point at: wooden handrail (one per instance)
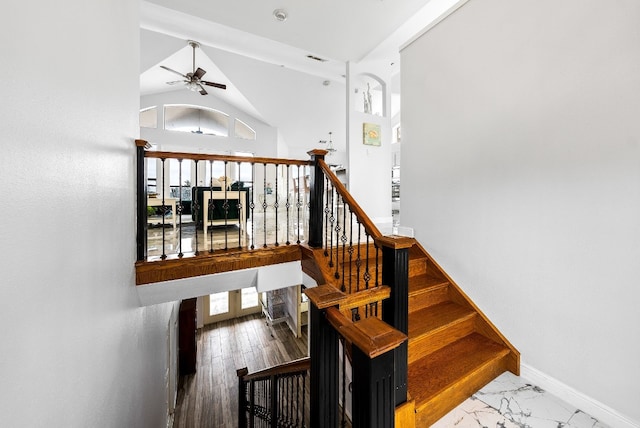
(364, 219)
(228, 158)
(295, 366)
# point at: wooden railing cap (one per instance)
(371, 335)
(317, 152)
(324, 296)
(143, 143)
(395, 242)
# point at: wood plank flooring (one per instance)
(209, 398)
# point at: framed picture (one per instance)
(371, 134)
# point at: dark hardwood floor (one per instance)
(208, 398)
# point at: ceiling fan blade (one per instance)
(202, 91)
(173, 71)
(215, 85)
(199, 73)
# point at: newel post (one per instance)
(316, 198)
(324, 358)
(395, 309)
(141, 204)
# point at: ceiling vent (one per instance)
(315, 58)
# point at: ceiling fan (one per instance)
(193, 81)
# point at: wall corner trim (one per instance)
(594, 408)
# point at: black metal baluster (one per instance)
(367, 275)
(240, 211)
(195, 207)
(163, 210)
(358, 259)
(377, 280)
(304, 397)
(337, 229)
(344, 384)
(288, 204)
(326, 216)
(210, 207)
(343, 238)
(252, 402)
(179, 209)
(225, 207)
(332, 220)
(298, 205)
(264, 204)
(351, 249)
(252, 204)
(276, 204)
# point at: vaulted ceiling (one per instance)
(266, 63)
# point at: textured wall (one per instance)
(76, 350)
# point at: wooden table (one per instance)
(232, 196)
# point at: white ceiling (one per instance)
(336, 29)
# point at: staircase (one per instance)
(453, 349)
(367, 285)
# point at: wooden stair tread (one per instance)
(425, 282)
(437, 317)
(451, 366)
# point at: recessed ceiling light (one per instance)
(280, 14)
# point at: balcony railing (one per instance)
(358, 313)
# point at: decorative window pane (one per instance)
(242, 130)
(149, 117)
(197, 120)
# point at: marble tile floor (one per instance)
(510, 401)
(218, 236)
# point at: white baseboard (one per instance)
(594, 408)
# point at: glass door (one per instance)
(230, 304)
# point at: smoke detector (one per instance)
(280, 14)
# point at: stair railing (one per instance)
(274, 397)
(345, 233)
(362, 303)
(260, 196)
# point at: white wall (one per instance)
(76, 350)
(369, 167)
(521, 175)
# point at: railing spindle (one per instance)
(252, 204)
(298, 205)
(276, 204)
(288, 204)
(240, 210)
(210, 208)
(179, 209)
(195, 208)
(163, 210)
(225, 207)
(264, 204)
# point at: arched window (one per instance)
(149, 117)
(242, 130)
(197, 120)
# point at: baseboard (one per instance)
(598, 410)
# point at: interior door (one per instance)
(230, 304)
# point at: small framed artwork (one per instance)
(371, 134)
